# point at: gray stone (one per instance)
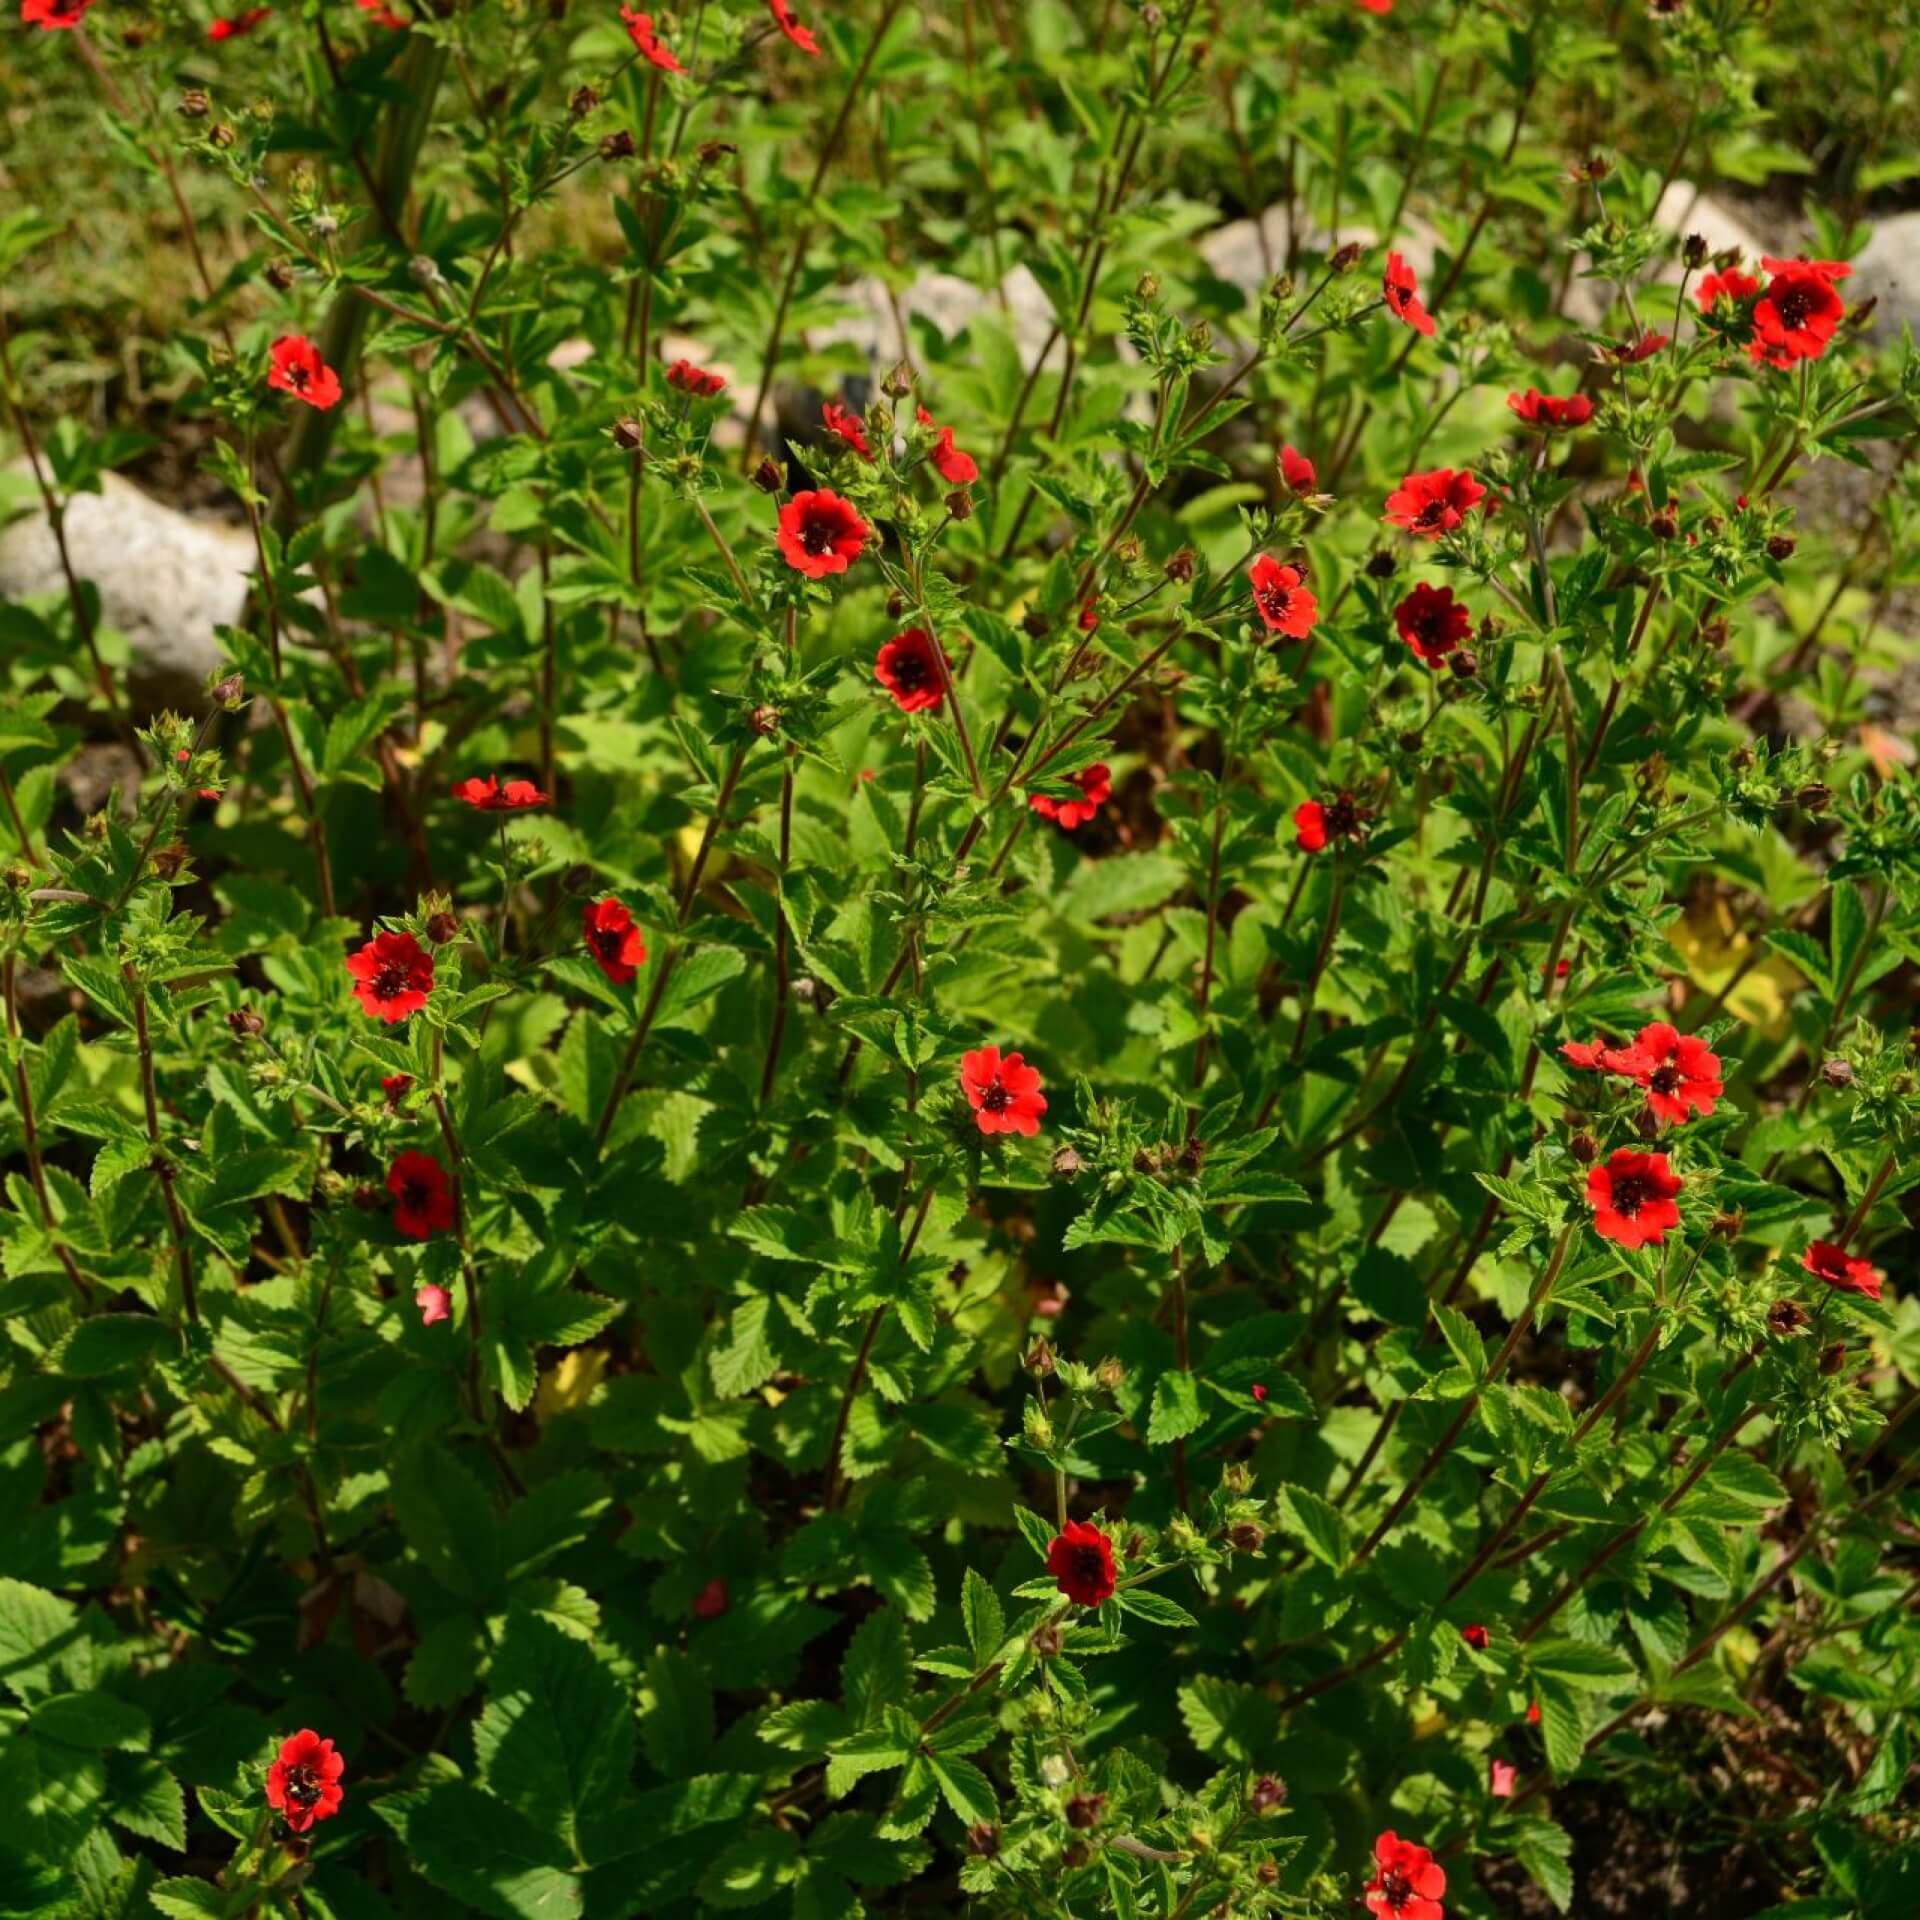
(1888, 269)
(165, 581)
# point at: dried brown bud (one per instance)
(170, 861)
(1246, 1537)
(1039, 1358)
(959, 503)
(628, 434)
(369, 1199)
(1147, 287)
(1345, 259)
(1035, 624)
(442, 928)
(223, 136)
(1664, 525)
(231, 691)
(618, 146)
(898, 383)
(983, 1840)
(1729, 1224)
(1816, 796)
(770, 476)
(194, 104)
(714, 151)
(1833, 1358)
(1144, 1162)
(1781, 547)
(1837, 1074)
(765, 721)
(1693, 250)
(280, 275)
(1268, 1873)
(245, 1024)
(1464, 662)
(1382, 565)
(1084, 1810)
(1268, 1792)
(1785, 1318)
(583, 103)
(1409, 742)
(1046, 1641)
(1181, 567)
(1584, 1148)
(1110, 1373)
(1066, 1163)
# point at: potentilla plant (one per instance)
(1025, 1020)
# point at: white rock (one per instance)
(1889, 268)
(165, 581)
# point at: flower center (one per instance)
(995, 1100)
(391, 981)
(1088, 1567)
(817, 536)
(1276, 599)
(1397, 1888)
(1341, 816)
(1665, 1079)
(1434, 514)
(1795, 306)
(298, 375)
(303, 1788)
(910, 673)
(1631, 1192)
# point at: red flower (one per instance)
(1081, 1562)
(239, 24)
(1259, 1396)
(1090, 614)
(1407, 1882)
(303, 1784)
(422, 1197)
(1003, 1091)
(799, 35)
(1733, 286)
(1374, 6)
(53, 16)
(1549, 412)
(395, 1086)
(957, 469)
(1297, 471)
(393, 974)
(1432, 622)
(910, 670)
(652, 47)
(383, 15)
(1632, 1198)
(1678, 1070)
(299, 370)
(1593, 1056)
(1533, 1713)
(1795, 318)
(821, 534)
(1434, 503)
(695, 380)
(1629, 352)
(1476, 1637)
(1316, 822)
(435, 1304)
(1839, 1269)
(1096, 787)
(613, 941)
(1281, 600)
(1500, 1779)
(846, 423)
(1401, 288)
(711, 1601)
(491, 797)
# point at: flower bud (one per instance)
(770, 476)
(1268, 1792)
(1584, 1148)
(1785, 1318)
(1246, 1537)
(325, 225)
(1345, 259)
(1833, 1358)
(899, 383)
(583, 103)
(959, 503)
(618, 146)
(1046, 1641)
(280, 275)
(1268, 1873)
(443, 927)
(194, 104)
(1084, 1810)
(223, 136)
(1664, 525)
(1181, 566)
(1464, 662)
(1147, 287)
(1036, 1426)
(765, 721)
(245, 1024)
(628, 434)
(1781, 547)
(1693, 250)
(1039, 1358)
(1815, 797)
(983, 1840)
(1111, 1374)
(712, 152)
